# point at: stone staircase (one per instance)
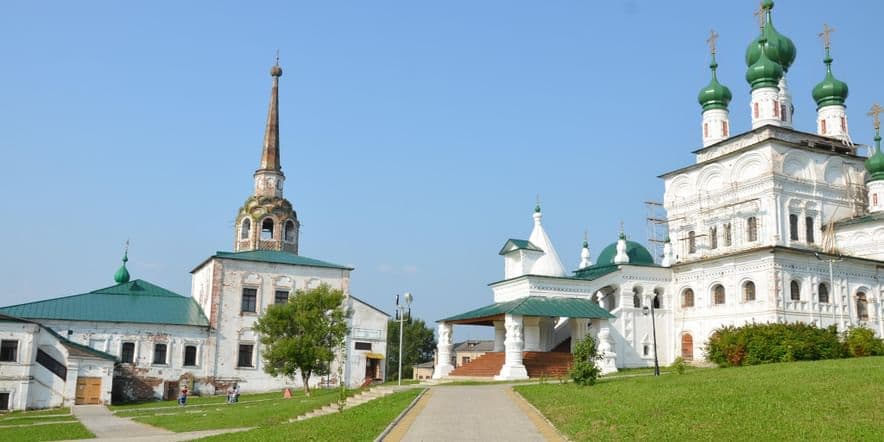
(537, 363)
(487, 365)
(352, 401)
(547, 364)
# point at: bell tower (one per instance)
(267, 221)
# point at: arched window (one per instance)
(636, 301)
(793, 227)
(728, 239)
(656, 301)
(687, 347)
(289, 231)
(752, 229)
(808, 226)
(823, 127)
(718, 297)
(267, 229)
(692, 242)
(748, 291)
(795, 291)
(687, 298)
(724, 128)
(823, 292)
(862, 308)
(713, 237)
(245, 229)
(706, 130)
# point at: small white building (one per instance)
(41, 369)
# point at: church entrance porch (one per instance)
(527, 330)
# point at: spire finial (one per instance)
(585, 238)
(270, 151)
(276, 70)
(826, 35)
(874, 112)
(537, 206)
(122, 274)
(760, 13)
(713, 37)
(622, 230)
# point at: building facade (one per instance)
(770, 225)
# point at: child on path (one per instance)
(230, 393)
(182, 397)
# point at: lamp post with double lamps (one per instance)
(403, 314)
(645, 311)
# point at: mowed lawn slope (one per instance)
(835, 400)
(53, 424)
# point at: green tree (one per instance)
(419, 343)
(304, 334)
(585, 371)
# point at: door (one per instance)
(687, 347)
(171, 390)
(88, 391)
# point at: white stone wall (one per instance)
(864, 240)
(367, 325)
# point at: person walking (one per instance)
(230, 392)
(235, 392)
(182, 396)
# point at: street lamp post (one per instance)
(402, 310)
(645, 311)
(832, 284)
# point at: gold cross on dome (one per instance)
(876, 109)
(760, 14)
(713, 37)
(827, 35)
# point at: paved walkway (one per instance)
(472, 413)
(107, 427)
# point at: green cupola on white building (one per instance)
(714, 99)
(830, 96)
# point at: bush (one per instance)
(861, 341)
(754, 344)
(585, 371)
(679, 365)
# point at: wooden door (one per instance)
(687, 347)
(88, 391)
(171, 391)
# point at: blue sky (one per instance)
(415, 135)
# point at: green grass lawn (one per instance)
(37, 427)
(831, 400)
(362, 423)
(198, 401)
(256, 410)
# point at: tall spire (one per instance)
(269, 177)
(585, 259)
(270, 153)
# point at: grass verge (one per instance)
(251, 411)
(362, 423)
(819, 400)
(74, 430)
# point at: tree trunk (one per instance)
(305, 377)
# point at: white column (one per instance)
(513, 368)
(499, 335)
(765, 107)
(605, 346)
(443, 350)
(716, 126)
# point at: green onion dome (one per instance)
(122, 275)
(637, 253)
(831, 90)
(714, 95)
(779, 48)
(764, 72)
(875, 163)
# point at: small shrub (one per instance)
(679, 365)
(861, 341)
(585, 371)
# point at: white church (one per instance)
(769, 225)
(135, 340)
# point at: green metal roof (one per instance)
(596, 271)
(534, 306)
(74, 349)
(518, 244)
(135, 301)
(276, 257)
(637, 253)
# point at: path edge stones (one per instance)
(401, 416)
(544, 426)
